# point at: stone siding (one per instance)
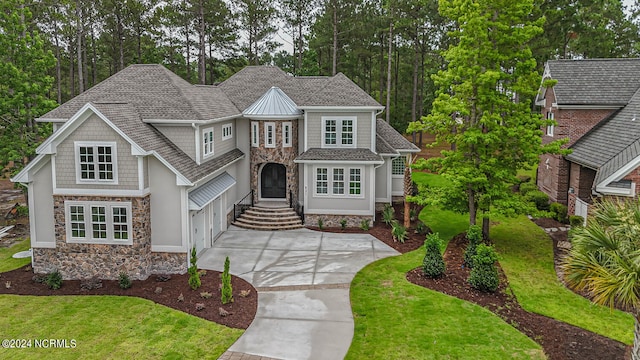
(262, 155)
(334, 220)
(106, 261)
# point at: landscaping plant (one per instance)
(388, 214)
(527, 187)
(343, 224)
(123, 281)
(540, 199)
(364, 224)
(226, 290)
(398, 232)
(474, 237)
(559, 212)
(576, 221)
(194, 276)
(433, 264)
(484, 275)
(54, 280)
(320, 223)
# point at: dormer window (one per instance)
(207, 141)
(96, 162)
(338, 131)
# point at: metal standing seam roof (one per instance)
(273, 104)
(213, 188)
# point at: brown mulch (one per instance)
(241, 311)
(558, 340)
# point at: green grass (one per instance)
(8, 263)
(425, 178)
(109, 327)
(526, 255)
(395, 319)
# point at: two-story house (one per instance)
(596, 105)
(145, 166)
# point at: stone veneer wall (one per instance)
(280, 155)
(334, 220)
(83, 261)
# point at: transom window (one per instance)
(98, 222)
(397, 166)
(227, 131)
(286, 134)
(269, 134)
(338, 132)
(96, 162)
(207, 141)
(333, 182)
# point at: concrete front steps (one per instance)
(269, 218)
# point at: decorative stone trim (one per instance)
(334, 220)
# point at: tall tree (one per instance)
(483, 106)
(24, 83)
(605, 259)
(257, 19)
(297, 15)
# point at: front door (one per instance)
(273, 181)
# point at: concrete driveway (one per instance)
(302, 278)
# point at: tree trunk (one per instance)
(94, 57)
(79, 47)
(485, 228)
(408, 191)
(58, 61)
(300, 44)
(201, 53)
(381, 71)
(334, 67)
(390, 51)
(414, 98)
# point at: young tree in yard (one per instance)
(483, 105)
(605, 258)
(24, 83)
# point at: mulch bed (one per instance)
(558, 340)
(241, 311)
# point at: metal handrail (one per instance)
(296, 206)
(242, 205)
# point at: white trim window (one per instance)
(98, 222)
(207, 141)
(398, 166)
(286, 134)
(339, 132)
(96, 162)
(550, 128)
(332, 182)
(269, 134)
(227, 131)
(255, 134)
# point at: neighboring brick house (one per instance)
(145, 166)
(595, 103)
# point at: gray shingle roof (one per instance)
(394, 138)
(156, 93)
(127, 119)
(383, 147)
(595, 81)
(612, 143)
(357, 154)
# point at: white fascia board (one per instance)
(604, 190)
(24, 176)
(588, 107)
(273, 117)
(616, 176)
(51, 120)
(340, 108)
(376, 162)
(189, 122)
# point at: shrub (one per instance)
(484, 275)
(413, 214)
(398, 232)
(559, 212)
(194, 275)
(320, 223)
(343, 224)
(433, 264)
(524, 178)
(123, 281)
(421, 228)
(365, 224)
(22, 211)
(226, 295)
(527, 187)
(540, 199)
(388, 214)
(474, 236)
(54, 280)
(206, 295)
(576, 221)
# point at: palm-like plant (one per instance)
(605, 258)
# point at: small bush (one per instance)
(422, 229)
(474, 236)
(559, 212)
(576, 221)
(54, 280)
(123, 281)
(484, 275)
(388, 214)
(365, 224)
(433, 264)
(343, 224)
(194, 275)
(226, 295)
(527, 187)
(398, 232)
(206, 295)
(413, 215)
(320, 223)
(540, 199)
(524, 178)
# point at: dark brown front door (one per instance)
(274, 181)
